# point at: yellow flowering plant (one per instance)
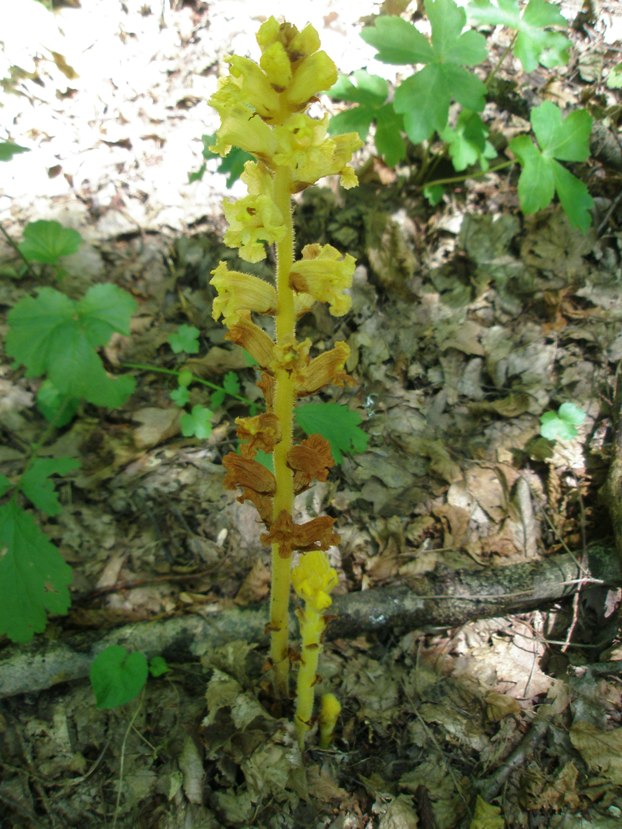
(263, 110)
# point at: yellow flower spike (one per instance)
(312, 578)
(325, 274)
(239, 292)
(330, 709)
(262, 109)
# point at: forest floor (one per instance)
(469, 322)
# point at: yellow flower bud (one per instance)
(238, 292)
(330, 709)
(275, 63)
(313, 578)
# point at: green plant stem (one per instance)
(195, 379)
(491, 75)
(15, 247)
(283, 406)
(476, 174)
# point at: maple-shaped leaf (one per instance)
(542, 175)
(424, 98)
(46, 241)
(33, 575)
(370, 92)
(36, 485)
(197, 423)
(56, 336)
(337, 423)
(535, 43)
(467, 142)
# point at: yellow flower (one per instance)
(276, 64)
(255, 88)
(313, 578)
(253, 222)
(241, 127)
(315, 73)
(324, 369)
(304, 146)
(325, 274)
(239, 292)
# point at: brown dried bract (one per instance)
(311, 460)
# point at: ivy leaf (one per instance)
(36, 485)
(424, 98)
(468, 142)
(46, 241)
(118, 676)
(542, 175)
(8, 150)
(337, 423)
(54, 335)
(370, 92)
(535, 43)
(33, 575)
(197, 423)
(185, 339)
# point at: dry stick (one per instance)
(443, 598)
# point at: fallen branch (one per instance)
(442, 598)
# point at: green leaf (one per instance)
(433, 193)
(8, 150)
(562, 425)
(36, 485)
(158, 666)
(46, 241)
(614, 78)
(572, 413)
(33, 575)
(337, 423)
(118, 676)
(397, 41)
(371, 93)
(232, 165)
(468, 142)
(424, 98)
(180, 396)
(5, 485)
(535, 43)
(197, 423)
(185, 338)
(231, 383)
(542, 176)
(52, 334)
(56, 408)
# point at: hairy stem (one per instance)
(284, 401)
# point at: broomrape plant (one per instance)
(263, 110)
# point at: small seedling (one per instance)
(118, 675)
(562, 425)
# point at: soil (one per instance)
(469, 322)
